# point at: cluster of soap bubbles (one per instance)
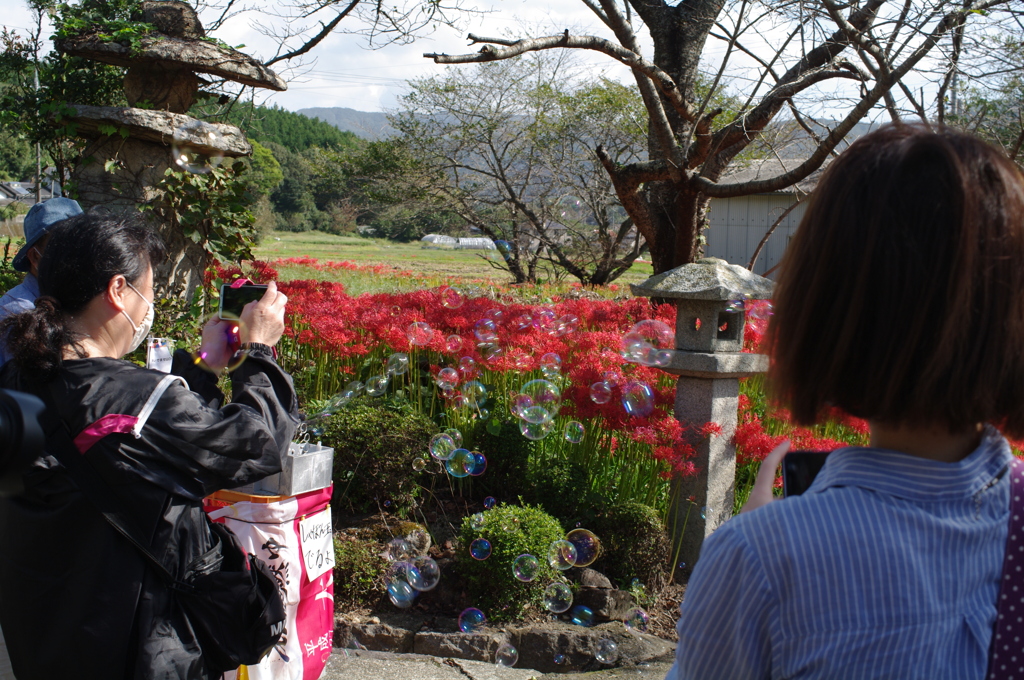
(637, 396)
(409, 571)
(196, 147)
(649, 343)
(446, 447)
(536, 405)
(548, 321)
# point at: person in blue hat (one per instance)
(40, 219)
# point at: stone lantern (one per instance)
(161, 84)
(709, 361)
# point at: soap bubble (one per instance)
(425, 574)
(455, 435)
(504, 247)
(471, 620)
(523, 361)
(483, 413)
(477, 463)
(475, 393)
(506, 656)
(399, 550)
(476, 521)
(607, 651)
(638, 399)
(418, 464)
(600, 393)
(662, 358)
(759, 310)
(336, 403)
(636, 620)
(574, 432)
(490, 351)
(525, 568)
(545, 320)
(561, 555)
(551, 363)
(636, 349)
(611, 378)
(419, 333)
(588, 547)
(706, 512)
(453, 343)
(495, 315)
(582, 616)
(401, 593)
(355, 387)
(524, 321)
(447, 378)
(451, 298)
(489, 502)
(480, 549)
(467, 367)
(535, 431)
(194, 147)
(655, 332)
(735, 306)
(376, 385)
(559, 659)
(485, 330)
(557, 598)
(442, 446)
(540, 393)
(567, 324)
(398, 364)
(536, 415)
(456, 465)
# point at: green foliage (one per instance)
(359, 572)
(374, 445)
(9, 277)
(17, 157)
(263, 173)
(561, 487)
(512, 531)
(294, 131)
(211, 209)
(508, 454)
(635, 544)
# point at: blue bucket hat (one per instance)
(38, 222)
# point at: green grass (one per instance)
(431, 266)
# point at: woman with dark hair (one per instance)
(901, 301)
(77, 600)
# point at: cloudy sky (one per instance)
(341, 71)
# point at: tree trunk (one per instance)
(678, 216)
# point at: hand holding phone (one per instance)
(764, 484)
(799, 470)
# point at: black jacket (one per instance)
(76, 599)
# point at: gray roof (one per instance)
(766, 168)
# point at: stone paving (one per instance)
(365, 665)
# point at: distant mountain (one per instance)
(366, 124)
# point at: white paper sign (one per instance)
(317, 543)
(158, 354)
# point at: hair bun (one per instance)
(48, 304)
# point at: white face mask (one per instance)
(142, 330)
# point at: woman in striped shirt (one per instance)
(901, 301)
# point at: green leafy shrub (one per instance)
(512, 531)
(374, 445)
(9, 276)
(508, 453)
(359, 573)
(635, 544)
(562, 488)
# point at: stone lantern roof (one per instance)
(706, 279)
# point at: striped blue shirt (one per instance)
(887, 567)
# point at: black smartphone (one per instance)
(233, 300)
(799, 468)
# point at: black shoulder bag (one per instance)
(230, 597)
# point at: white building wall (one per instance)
(738, 224)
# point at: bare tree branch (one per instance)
(666, 85)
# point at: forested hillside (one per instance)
(291, 130)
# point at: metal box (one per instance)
(306, 467)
